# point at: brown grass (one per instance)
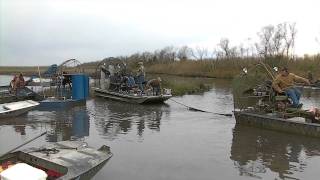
(232, 67)
(25, 70)
(226, 68)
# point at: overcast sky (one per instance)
(43, 32)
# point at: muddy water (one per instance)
(169, 142)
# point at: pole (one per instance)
(41, 81)
(23, 144)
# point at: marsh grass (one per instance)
(225, 68)
(186, 88)
(183, 85)
(25, 70)
(229, 68)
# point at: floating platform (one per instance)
(79, 94)
(297, 125)
(54, 103)
(131, 98)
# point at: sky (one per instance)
(44, 32)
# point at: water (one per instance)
(169, 142)
(5, 80)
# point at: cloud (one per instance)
(42, 32)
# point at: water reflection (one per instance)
(113, 118)
(255, 151)
(72, 124)
(20, 123)
(67, 124)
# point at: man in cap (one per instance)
(284, 83)
(141, 76)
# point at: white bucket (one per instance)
(23, 171)
(167, 91)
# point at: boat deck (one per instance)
(71, 159)
(16, 108)
(131, 98)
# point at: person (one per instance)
(22, 82)
(141, 76)
(104, 77)
(18, 84)
(13, 84)
(59, 80)
(310, 77)
(155, 84)
(130, 83)
(66, 80)
(284, 83)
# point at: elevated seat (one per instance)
(281, 98)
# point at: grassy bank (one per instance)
(25, 70)
(226, 68)
(232, 67)
(183, 85)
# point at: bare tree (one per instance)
(277, 40)
(242, 50)
(167, 54)
(264, 46)
(202, 52)
(184, 53)
(290, 37)
(214, 53)
(224, 45)
(277, 48)
(135, 57)
(199, 53)
(146, 56)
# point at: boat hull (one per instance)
(26, 106)
(278, 124)
(7, 97)
(130, 98)
(15, 113)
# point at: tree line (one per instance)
(273, 41)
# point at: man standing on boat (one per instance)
(19, 84)
(284, 83)
(155, 84)
(141, 76)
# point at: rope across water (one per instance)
(200, 110)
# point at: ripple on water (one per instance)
(169, 142)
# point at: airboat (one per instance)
(109, 84)
(69, 86)
(25, 93)
(257, 104)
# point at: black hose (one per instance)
(23, 144)
(200, 110)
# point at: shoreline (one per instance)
(215, 69)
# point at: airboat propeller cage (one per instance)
(80, 81)
(70, 65)
(107, 68)
(257, 78)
